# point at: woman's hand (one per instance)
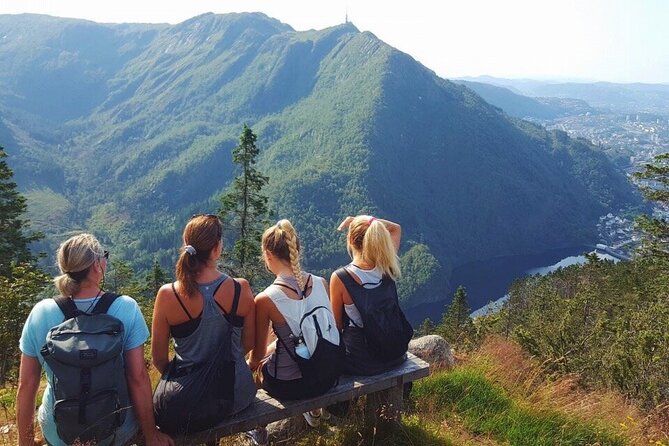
(252, 363)
(345, 223)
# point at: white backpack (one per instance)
(309, 318)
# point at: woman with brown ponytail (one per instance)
(365, 288)
(200, 309)
(284, 304)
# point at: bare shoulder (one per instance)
(335, 280)
(165, 292)
(262, 297)
(243, 283)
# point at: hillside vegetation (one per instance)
(126, 130)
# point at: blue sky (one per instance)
(607, 40)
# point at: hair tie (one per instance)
(77, 276)
(371, 220)
(190, 250)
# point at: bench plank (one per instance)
(265, 409)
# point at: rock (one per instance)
(433, 349)
(287, 428)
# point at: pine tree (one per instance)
(456, 325)
(426, 328)
(21, 282)
(245, 209)
(14, 242)
(655, 186)
(154, 280)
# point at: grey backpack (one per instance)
(85, 353)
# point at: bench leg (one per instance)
(383, 408)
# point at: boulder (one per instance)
(434, 350)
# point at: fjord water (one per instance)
(489, 280)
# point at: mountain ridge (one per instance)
(345, 123)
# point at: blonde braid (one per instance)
(291, 241)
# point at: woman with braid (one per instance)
(283, 304)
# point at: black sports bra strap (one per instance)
(235, 300)
(174, 290)
(285, 286)
(304, 291)
(213, 296)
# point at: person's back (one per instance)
(282, 375)
(299, 364)
(365, 288)
(211, 317)
(83, 263)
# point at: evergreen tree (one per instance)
(21, 282)
(120, 278)
(426, 328)
(655, 186)
(245, 209)
(456, 325)
(14, 242)
(154, 280)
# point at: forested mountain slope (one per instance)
(130, 128)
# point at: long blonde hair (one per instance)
(372, 240)
(281, 240)
(75, 257)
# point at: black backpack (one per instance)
(198, 397)
(85, 353)
(386, 330)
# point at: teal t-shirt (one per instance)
(46, 315)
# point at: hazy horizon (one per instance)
(617, 41)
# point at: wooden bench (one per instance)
(385, 389)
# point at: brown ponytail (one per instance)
(200, 237)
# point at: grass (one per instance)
(486, 409)
(496, 396)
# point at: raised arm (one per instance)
(393, 228)
(395, 231)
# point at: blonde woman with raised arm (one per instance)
(364, 292)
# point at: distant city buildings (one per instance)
(631, 141)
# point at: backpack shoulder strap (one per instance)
(104, 303)
(68, 307)
(346, 278)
